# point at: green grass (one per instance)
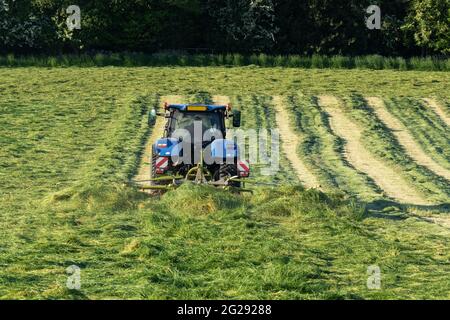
(446, 106)
(258, 113)
(133, 82)
(426, 127)
(71, 138)
(373, 62)
(322, 151)
(382, 142)
(201, 243)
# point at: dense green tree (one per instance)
(270, 26)
(243, 25)
(127, 25)
(339, 27)
(429, 20)
(139, 25)
(22, 29)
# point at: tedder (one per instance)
(194, 147)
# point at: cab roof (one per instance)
(184, 107)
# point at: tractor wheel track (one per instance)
(290, 143)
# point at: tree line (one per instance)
(325, 27)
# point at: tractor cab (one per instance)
(196, 120)
(194, 146)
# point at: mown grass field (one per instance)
(71, 138)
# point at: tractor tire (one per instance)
(228, 171)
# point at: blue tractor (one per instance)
(195, 148)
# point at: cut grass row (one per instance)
(322, 150)
(290, 143)
(410, 145)
(279, 243)
(383, 144)
(258, 114)
(446, 106)
(428, 129)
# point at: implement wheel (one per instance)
(229, 171)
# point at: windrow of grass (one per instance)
(428, 129)
(446, 106)
(380, 141)
(283, 243)
(374, 62)
(323, 152)
(258, 114)
(203, 243)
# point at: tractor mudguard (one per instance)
(167, 147)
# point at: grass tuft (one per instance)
(161, 59)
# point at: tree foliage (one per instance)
(21, 28)
(245, 25)
(429, 20)
(268, 26)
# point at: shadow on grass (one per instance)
(388, 209)
(76, 295)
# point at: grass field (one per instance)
(71, 139)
